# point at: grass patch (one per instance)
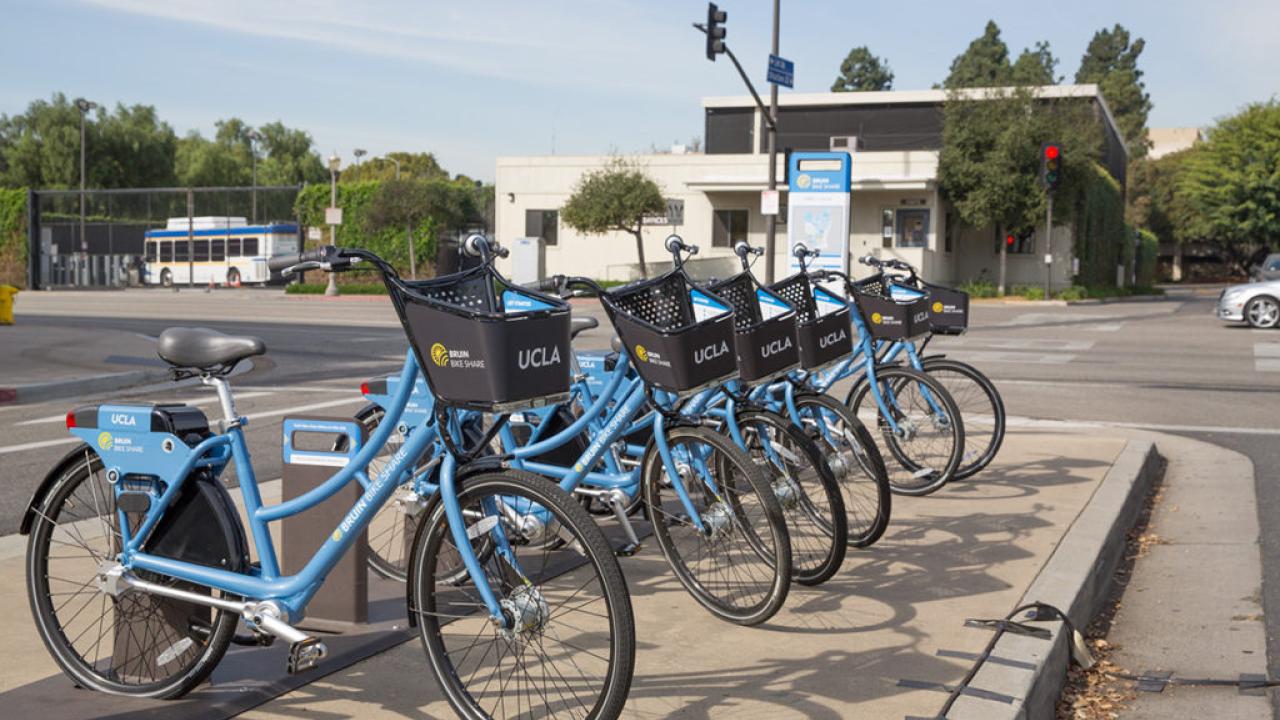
(343, 289)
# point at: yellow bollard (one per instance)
(7, 294)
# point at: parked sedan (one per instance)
(1257, 303)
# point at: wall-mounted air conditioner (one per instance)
(846, 143)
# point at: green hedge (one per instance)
(1102, 239)
(13, 237)
(1148, 253)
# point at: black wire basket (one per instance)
(679, 336)
(821, 338)
(764, 328)
(887, 318)
(485, 344)
(948, 309)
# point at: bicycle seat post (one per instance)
(230, 418)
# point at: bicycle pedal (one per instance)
(305, 655)
(627, 549)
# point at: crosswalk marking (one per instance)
(986, 356)
(1266, 357)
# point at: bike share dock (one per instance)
(879, 640)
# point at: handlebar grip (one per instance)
(553, 284)
(321, 254)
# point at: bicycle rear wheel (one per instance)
(929, 441)
(856, 462)
(739, 566)
(981, 407)
(571, 647)
(806, 489)
(134, 644)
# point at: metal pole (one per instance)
(1048, 249)
(771, 221)
(84, 246)
(191, 238)
(254, 182)
(332, 288)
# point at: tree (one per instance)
(422, 166)
(1232, 181)
(614, 198)
(1111, 61)
(989, 166)
(1035, 66)
(418, 206)
(1155, 203)
(985, 63)
(862, 71)
(290, 159)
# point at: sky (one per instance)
(472, 81)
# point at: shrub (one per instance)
(979, 288)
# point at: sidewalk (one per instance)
(872, 642)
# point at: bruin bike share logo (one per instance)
(538, 357)
(832, 338)
(641, 354)
(440, 354)
(877, 318)
(105, 441)
(710, 352)
(775, 347)
(937, 307)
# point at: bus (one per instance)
(217, 250)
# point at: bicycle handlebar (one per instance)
(477, 245)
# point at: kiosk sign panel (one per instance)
(818, 208)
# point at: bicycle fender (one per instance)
(61, 468)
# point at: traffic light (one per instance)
(1051, 166)
(715, 31)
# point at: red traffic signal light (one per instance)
(1050, 166)
(1051, 152)
(1009, 240)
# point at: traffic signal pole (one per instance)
(771, 221)
(1048, 249)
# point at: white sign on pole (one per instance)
(333, 216)
(315, 234)
(768, 202)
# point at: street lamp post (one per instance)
(254, 138)
(359, 153)
(334, 163)
(84, 106)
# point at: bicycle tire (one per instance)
(806, 488)
(760, 524)
(862, 476)
(977, 399)
(585, 548)
(81, 504)
(924, 461)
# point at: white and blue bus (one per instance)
(218, 250)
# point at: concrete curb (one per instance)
(40, 392)
(1118, 300)
(1077, 579)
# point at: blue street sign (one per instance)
(782, 71)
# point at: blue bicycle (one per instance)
(138, 566)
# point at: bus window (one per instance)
(166, 250)
(202, 251)
(151, 251)
(250, 247)
(217, 250)
(233, 247)
(181, 250)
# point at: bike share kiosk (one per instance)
(818, 208)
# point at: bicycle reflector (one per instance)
(1051, 166)
(71, 419)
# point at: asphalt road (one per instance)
(1166, 365)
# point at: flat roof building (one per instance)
(894, 137)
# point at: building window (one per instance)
(544, 224)
(1018, 243)
(913, 228)
(728, 227)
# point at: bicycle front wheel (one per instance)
(806, 489)
(568, 645)
(981, 407)
(926, 435)
(738, 564)
(856, 462)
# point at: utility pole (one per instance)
(254, 137)
(84, 106)
(334, 163)
(771, 221)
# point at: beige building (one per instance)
(1166, 141)
(896, 208)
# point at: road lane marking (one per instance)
(1266, 357)
(37, 445)
(985, 356)
(1028, 422)
(209, 400)
(1104, 327)
(1045, 344)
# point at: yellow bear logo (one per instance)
(439, 355)
(642, 354)
(876, 318)
(937, 307)
(104, 441)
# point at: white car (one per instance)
(1257, 303)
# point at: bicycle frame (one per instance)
(292, 592)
